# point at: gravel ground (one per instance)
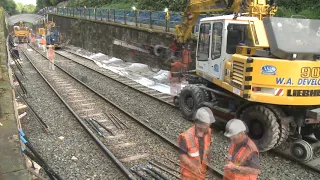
(169, 121)
(145, 142)
(91, 163)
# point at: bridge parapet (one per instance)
(140, 18)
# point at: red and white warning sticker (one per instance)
(279, 92)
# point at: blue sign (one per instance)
(268, 70)
(216, 68)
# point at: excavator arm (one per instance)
(258, 8)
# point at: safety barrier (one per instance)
(151, 19)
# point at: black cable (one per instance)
(21, 85)
(156, 172)
(151, 174)
(104, 127)
(24, 139)
(139, 174)
(33, 158)
(91, 124)
(32, 110)
(96, 127)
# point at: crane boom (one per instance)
(257, 8)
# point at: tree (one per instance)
(307, 8)
(9, 6)
(28, 8)
(19, 7)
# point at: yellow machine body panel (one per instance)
(258, 34)
(20, 31)
(285, 82)
(41, 31)
(272, 81)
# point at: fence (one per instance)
(151, 19)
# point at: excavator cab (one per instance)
(218, 40)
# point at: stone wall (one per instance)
(98, 36)
(3, 55)
(12, 164)
(3, 32)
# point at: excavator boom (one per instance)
(256, 8)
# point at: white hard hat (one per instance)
(234, 127)
(204, 114)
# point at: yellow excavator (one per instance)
(21, 33)
(41, 31)
(262, 69)
(53, 35)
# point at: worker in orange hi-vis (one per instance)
(43, 43)
(32, 40)
(186, 58)
(195, 145)
(175, 82)
(243, 158)
(51, 55)
(178, 66)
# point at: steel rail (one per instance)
(282, 154)
(286, 156)
(149, 128)
(105, 75)
(96, 139)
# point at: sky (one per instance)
(34, 2)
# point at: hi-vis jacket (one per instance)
(192, 145)
(239, 158)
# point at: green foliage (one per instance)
(124, 4)
(28, 8)
(9, 6)
(15, 8)
(45, 3)
(287, 8)
(19, 7)
(306, 8)
(176, 5)
(91, 3)
(160, 5)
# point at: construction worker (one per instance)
(243, 157)
(32, 39)
(186, 57)
(175, 82)
(178, 66)
(50, 55)
(195, 146)
(43, 43)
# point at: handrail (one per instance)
(138, 18)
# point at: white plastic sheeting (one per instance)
(137, 72)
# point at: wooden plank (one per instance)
(133, 158)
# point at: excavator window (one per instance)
(204, 42)
(238, 35)
(216, 40)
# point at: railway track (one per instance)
(86, 104)
(313, 165)
(159, 96)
